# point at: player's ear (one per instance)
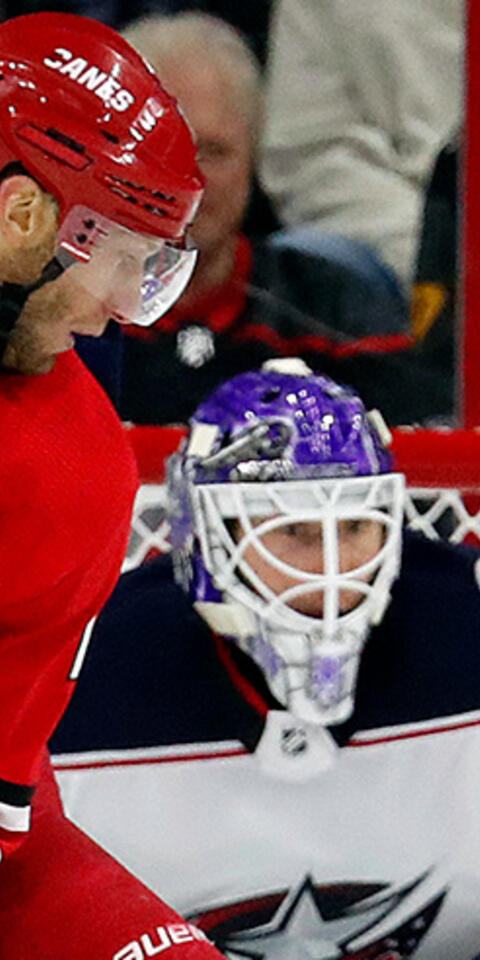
(23, 209)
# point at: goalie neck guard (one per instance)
(279, 450)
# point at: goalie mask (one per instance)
(286, 529)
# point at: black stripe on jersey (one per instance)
(15, 794)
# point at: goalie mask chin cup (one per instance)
(269, 449)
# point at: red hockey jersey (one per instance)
(68, 480)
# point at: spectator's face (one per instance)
(224, 149)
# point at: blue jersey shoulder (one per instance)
(423, 660)
(151, 675)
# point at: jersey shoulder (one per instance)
(151, 675)
(423, 661)
(431, 567)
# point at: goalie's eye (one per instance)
(354, 527)
(307, 533)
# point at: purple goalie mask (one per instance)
(276, 449)
(275, 425)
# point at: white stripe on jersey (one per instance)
(15, 818)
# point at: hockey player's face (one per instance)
(301, 545)
(80, 301)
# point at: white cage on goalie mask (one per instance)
(293, 648)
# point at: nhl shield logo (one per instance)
(294, 740)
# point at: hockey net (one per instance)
(443, 485)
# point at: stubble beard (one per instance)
(29, 349)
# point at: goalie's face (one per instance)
(296, 572)
(273, 554)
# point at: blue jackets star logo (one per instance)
(358, 921)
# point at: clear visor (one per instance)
(135, 278)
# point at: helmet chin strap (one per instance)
(13, 297)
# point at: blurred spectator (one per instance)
(251, 17)
(246, 302)
(437, 261)
(435, 296)
(361, 97)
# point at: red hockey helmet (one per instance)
(86, 116)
